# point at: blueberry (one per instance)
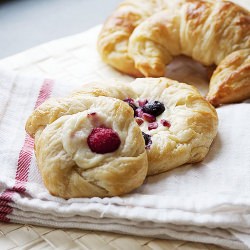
(147, 139)
(153, 108)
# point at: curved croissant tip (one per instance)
(213, 101)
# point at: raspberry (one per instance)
(142, 102)
(138, 113)
(129, 100)
(103, 140)
(165, 123)
(91, 114)
(148, 117)
(152, 125)
(139, 120)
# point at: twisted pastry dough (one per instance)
(177, 123)
(68, 165)
(208, 31)
(191, 121)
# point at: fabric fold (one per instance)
(207, 202)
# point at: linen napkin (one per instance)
(207, 202)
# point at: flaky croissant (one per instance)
(142, 37)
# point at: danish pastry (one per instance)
(88, 147)
(177, 123)
(104, 139)
(142, 38)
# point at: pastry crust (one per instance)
(231, 80)
(193, 120)
(193, 124)
(113, 39)
(68, 166)
(208, 31)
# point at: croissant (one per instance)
(114, 37)
(142, 38)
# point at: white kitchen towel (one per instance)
(207, 202)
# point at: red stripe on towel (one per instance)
(24, 159)
(26, 152)
(5, 209)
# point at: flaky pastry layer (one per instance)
(141, 37)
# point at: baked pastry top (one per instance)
(141, 37)
(104, 138)
(230, 81)
(88, 147)
(180, 126)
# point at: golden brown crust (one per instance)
(113, 39)
(193, 124)
(61, 127)
(231, 80)
(68, 166)
(206, 30)
(193, 120)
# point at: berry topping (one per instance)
(153, 125)
(142, 103)
(153, 108)
(103, 140)
(148, 117)
(139, 113)
(131, 103)
(147, 139)
(129, 100)
(92, 114)
(165, 123)
(93, 117)
(139, 120)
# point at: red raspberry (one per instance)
(152, 125)
(91, 114)
(138, 113)
(142, 102)
(165, 123)
(139, 120)
(103, 140)
(148, 117)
